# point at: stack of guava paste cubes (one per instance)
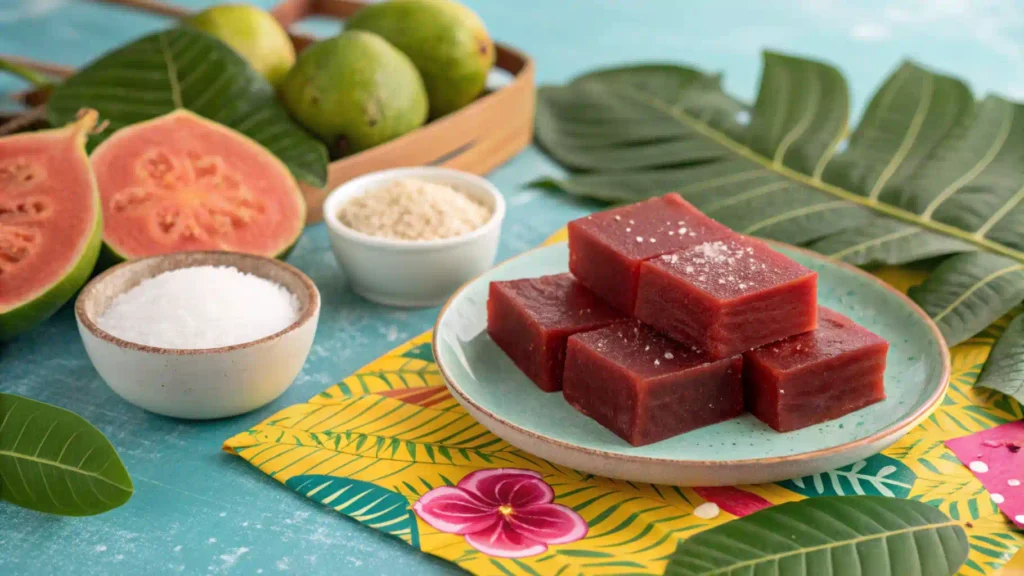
(669, 321)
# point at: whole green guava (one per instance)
(355, 89)
(251, 32)
(446, 40)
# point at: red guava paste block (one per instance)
(531, 319)
(607, 248)
(645, 387)
(815, 376)
(727, 296)
(996, 457)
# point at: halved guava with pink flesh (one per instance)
(182, 183)
(50, 226)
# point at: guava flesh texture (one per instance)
(182, 183)
(47, 212)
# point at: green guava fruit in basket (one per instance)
(253, 33)
(447, 41)
(355, 91)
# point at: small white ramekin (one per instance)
(205, 383)
(409, 273)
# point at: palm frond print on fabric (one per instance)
(374, 444)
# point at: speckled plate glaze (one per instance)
(740, 451)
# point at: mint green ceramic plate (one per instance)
(740, 451)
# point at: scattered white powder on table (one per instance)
(410, 209)
(201, 307)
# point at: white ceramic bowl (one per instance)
(414, 273)
(203, 383)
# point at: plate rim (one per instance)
(902, 425)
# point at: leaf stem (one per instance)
(34, 77)
(834, 544)
(20, 456)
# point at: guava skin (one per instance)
(254, 34)
(446, 41)
(30, 313)
(355, 88)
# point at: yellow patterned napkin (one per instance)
(388, 447)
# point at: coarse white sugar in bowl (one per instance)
(414, 210)
(199, 335)
(410, 237)
(200, 307)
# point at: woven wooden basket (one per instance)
(476, 138)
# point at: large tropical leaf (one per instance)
(927, 173)
(186, 68)
(851, 535)
(52, 460)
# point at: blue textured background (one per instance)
(197, 510)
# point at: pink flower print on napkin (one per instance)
(505, 512)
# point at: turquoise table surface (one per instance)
(197, 510)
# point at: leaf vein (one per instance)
(805, 121)
(172, 72)
(797, 212)
(46, 485)
(835, 544)
(887, 209)
(977, 285)
(749, 194)
(978, 168)
(908, 140)
(999, 214)
(875, 242)
(56, 464)
(45, 436)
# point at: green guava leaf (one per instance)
(849, 535)
(52, 460)
(967, 292)
(186, 68)
(1004, 370)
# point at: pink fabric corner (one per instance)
(996, 457)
